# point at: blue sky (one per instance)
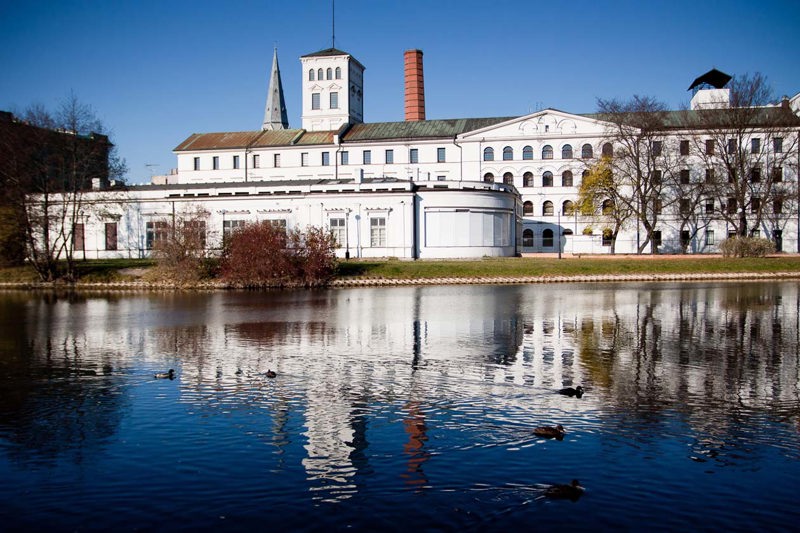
(157, 71)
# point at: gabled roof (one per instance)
(419, 129)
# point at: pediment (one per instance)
(547, 123)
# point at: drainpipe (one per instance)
(460, 158)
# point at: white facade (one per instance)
(433, 188)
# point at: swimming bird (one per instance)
(165, 375)
(550, 432)
(271, 374)
(569, 391)
(573, 491)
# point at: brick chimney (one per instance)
(415, 86)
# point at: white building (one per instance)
(432, 188)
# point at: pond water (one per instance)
(402, 408)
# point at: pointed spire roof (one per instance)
(275, 117)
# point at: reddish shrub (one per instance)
(262, 254)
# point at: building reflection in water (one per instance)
(714, 353)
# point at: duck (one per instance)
(550, 432)
(165, 375)
(271, 374)
(569, 391)
(573, 491)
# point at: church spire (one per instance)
(275, 112)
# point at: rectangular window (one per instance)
(256, 161)
(334, 100)
(731, 206)
(229, 226)
(685, 178)
(195, 231)
(389, 157)
(339, 231)
(367, 157)
(684, 147)
(777, 145)
(236, 161)
(326, 159)
(777, 206)
(709, 175)
(440, 155)
(276, 160)
(345, 157)
(656, 148)
(314, 100)
(710, 239)
(731, 146)
(658, 206)
(413, 155)
(755, 205)
(686, 206)
(377, 232)
(111, 235)
(755, 175)
(197, 163)
(78, 242)
(709, 146)
(215, 162)
(755, 146)
(777, 174)
(685, 238)
(303, 159)
(657, 238)
(155, 232)
(709, 206)
(656, 177)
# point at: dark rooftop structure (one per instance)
(713, 77)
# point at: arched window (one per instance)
(547, 179)
(527, 238)
(508, 178)
(311, 75)
(488, 154)
(568, 208)
(547, 208)
(566, 178)
(585, 173)
(547, 238)
(319, 74)
(508, 153)
(586, 151)
(527, 179)
(527, 208)
(547, 152)
(488, 177)
(566, 152)
(608, 150)
(527, 153)
(608, 207)
(329, 73)
(338, 73)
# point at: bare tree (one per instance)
(745, 149)
(602, 197)
(643, 162)
(52, 159)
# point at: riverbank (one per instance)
(132, 275)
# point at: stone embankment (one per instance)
(139, 285)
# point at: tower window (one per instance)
(311, 75)
(338, 73)
(314, 100)
(334, 100)
(329, 73)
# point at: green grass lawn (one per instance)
(568, 266)
(114, 270)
